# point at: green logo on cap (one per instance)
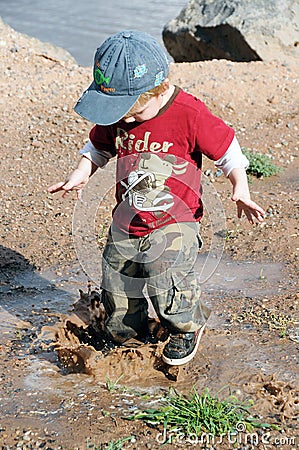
(99, 77)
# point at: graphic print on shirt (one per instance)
(145, 187)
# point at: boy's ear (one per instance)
(166, 85)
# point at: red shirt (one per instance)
(159, 163)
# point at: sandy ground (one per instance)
(39, 142)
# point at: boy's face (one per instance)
(146, 112)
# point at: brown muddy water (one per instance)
(49, 369)
(52, 376)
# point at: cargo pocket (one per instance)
(182, 295)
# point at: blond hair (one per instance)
(146, 96)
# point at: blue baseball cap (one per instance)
(125, 65)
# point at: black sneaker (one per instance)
(181, 347)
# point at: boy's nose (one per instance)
(129, 119)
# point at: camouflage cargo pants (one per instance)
(161, 263)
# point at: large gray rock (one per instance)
(239, 30)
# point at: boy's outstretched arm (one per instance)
(76, 179)
(241, 196)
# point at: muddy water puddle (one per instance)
(45, 327)
(245, 277)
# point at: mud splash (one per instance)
(60, 370)
(81, 348)
(250, 366)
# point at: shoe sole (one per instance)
(186, 359)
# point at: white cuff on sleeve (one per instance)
(233, 158)
(98, 157)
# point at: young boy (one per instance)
(158, 133)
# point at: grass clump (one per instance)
(200, 413)
(260, 165)
(117, 444)
(112, 385)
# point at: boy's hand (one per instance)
(241, 196)
(74, 182)
(249, 208)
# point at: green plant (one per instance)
(262, 276)
(103, 232)
(231, 234)
(260, 165)
(118, 444)
(19, 334)
(200, 413)
(112, 385)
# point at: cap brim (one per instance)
(103, 109)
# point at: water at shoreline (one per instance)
(80, 27)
